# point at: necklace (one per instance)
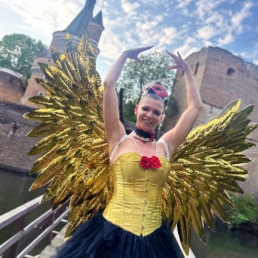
(143, 135)
(145, 162)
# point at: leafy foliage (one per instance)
(17, 52)
(153, 68)
(129, 111)
(244, 211)
(135, 76)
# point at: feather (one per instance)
(73, 147)
(204, 168)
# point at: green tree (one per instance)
(17, 52)
(135, 76)
(153, 68)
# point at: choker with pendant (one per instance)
(143, 135)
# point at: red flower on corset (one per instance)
(152, 162)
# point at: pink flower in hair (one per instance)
(159, 90)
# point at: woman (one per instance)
(131, 225)
(149, 114)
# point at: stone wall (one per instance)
(11, 88)
(14, 144)
(225, 77)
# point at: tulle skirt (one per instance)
(98, 238)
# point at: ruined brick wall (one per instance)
(228, 77)
(11, 88)
(14, 144)
(250, 186)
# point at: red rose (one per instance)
(154, 162)
(145, 162)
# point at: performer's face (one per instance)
(148, 113)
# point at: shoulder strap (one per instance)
(113, 151)
(166, 148)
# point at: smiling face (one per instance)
(148, 113)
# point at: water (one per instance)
(226, 243)
(14, 191)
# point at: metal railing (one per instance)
(20, 243)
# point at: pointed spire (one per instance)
(90, 4)
(98, 19)
(79, 25)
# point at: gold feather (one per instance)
(206, 166)
(73, 145)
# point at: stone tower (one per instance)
(222, 78)
(83, 23)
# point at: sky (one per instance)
(185, 26)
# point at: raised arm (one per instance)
(113, 127)
(177, 135)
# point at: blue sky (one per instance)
(184, 26)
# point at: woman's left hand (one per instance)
(180, 64)
(133, 53)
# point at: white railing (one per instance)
(12, 248)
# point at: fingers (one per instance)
(172, 67)
(179, 55)
(137, 59)
(133, 53)
(146, 48)
(180, 64)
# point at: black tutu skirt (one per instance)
(98, 238)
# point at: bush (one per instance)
(244, 212)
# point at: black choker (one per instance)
(143, 135)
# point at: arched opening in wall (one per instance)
(41, 93)
(196, 68)
(230, 71)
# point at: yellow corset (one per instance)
(135, 204)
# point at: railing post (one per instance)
(14, 250)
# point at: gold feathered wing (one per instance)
(203, 169)
(75, 159)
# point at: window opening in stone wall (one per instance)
(41, 93)
(196, 68)
(230, 71)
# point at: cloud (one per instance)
(151, 2)
(41, 20)
(186, 25)
(129, 7)
(183, 4)
(255, 61)
(207, 32)
(220, 21)
(190, 46)
(228, 38)
(239, 17)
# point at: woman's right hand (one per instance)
(180, 64)
(133, 53)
